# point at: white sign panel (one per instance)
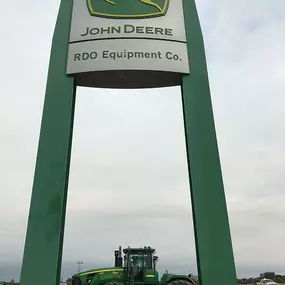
(98, 43)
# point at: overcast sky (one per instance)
(128, 179)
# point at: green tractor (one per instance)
(137, 267)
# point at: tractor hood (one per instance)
(100, 270)
(169, 276)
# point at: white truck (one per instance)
(266, 281)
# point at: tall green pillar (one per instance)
(44, 239)
(214, 251)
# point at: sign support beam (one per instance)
(214, 252)
(44, 239)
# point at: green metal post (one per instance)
(211, 226)
(45, 231)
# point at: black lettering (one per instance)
(105, 54)
(77, 57)
(86, 33)
(119, 54)
(130, 54)
(175, 57)
(94, 31)
(168, 32)
(138, 54)
(85, 55)
(112, 55)
(116, 29)
(129, 28)
(139, 30)
(158, 30)
(168, 55)
(149, 30)
(93, 55)
(147, 54)
(105, 30)
(153, 55)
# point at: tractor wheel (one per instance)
(180, 282)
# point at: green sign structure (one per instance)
(165, 49)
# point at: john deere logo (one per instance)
(127, 9)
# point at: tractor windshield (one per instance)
(141, 260)
(136, 262)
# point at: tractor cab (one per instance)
(139, 263)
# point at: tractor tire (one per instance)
(181, 282)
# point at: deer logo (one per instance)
(148, 2)
(127, 9)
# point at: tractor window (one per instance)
(141, 260)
